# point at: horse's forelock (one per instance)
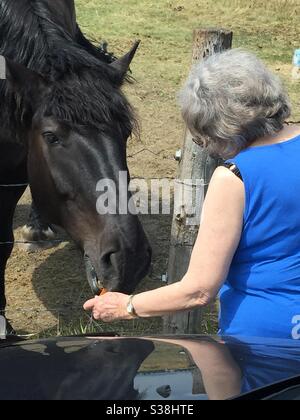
(89, 98)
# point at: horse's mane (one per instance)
(85, 87)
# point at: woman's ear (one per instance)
(25, 83)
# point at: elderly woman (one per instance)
(248, 248)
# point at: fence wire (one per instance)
(49, 242)
(157, 154)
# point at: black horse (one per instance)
(64, 126)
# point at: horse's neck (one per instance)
(63, 13)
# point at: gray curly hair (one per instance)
(230, 100)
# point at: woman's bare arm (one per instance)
(218, 238)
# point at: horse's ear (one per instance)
(24, 81)
(122, 64)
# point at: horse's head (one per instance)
(77, 126)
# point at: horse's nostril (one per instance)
(107, 260)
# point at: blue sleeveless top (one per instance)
(261, 296)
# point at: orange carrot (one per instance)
(103, 292)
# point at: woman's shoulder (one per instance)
(224, 180)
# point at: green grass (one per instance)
(269, 28)
(83, 326)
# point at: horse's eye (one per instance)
(51, 138)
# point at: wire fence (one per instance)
(157, 154)
(49, 242)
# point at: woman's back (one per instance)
(261, 295)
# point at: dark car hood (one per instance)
(162, 368)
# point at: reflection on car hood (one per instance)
(159, 368)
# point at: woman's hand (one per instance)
(109, 307)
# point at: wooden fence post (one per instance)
(195, 165)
